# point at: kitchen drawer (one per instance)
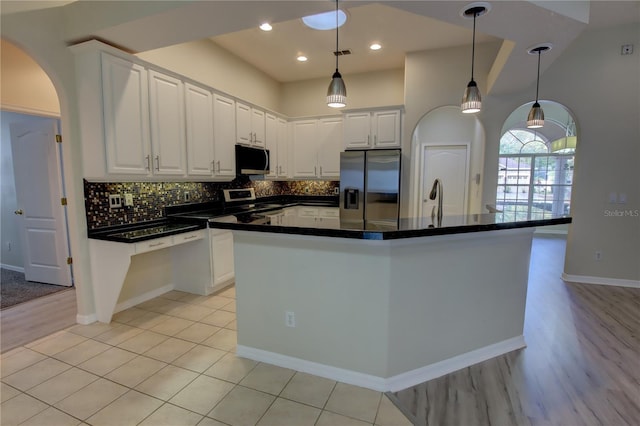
(187, 237)
(155, 244)
(329, 212)
(307, 211)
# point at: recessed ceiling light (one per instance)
(375, 46)
(302, 58)
(266, 27)
(325, 21)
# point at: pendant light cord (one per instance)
(336, 52)
(473, 44)
(538, 78)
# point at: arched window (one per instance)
(535, 167)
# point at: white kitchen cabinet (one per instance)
(224, 133)
(372, 129)
(199, 126)
(222, 256)
(305, 151)
(250, 125)
(166, 109)
(329, 145)
(276, 143)
(283, 149)
(316, 148)
(126, 116)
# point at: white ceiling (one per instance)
(400, 25)
(398, 31)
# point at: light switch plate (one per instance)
(128, 200)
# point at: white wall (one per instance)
(25, 86)
(206, 62)
(601, 89)
(434, 79)
(364, 90)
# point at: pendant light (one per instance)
(535, 119)
(337, 92)
(471, 100)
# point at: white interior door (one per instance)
(450, 164)
(40, 214)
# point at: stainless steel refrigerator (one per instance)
(370, 189)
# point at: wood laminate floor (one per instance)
(581, 365)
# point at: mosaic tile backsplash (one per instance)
(149, 198)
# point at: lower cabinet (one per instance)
(222, 269)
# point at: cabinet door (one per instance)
(222, 257)
(329, 147)
(224, 135)
(166, 101)
(357, 130)
(283, 149)
(271, 142)
(258, 127)
(244, 134)
(386, 129)
(305, 163)
(126, 116)
(199, 121)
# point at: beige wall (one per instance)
(206, 62)
(308, 98)
(25, 86)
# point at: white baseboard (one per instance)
(129, 303)
(86, 319)
(584, 279)
(381, 384)
(12, 268)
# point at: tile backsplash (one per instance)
(149, 198)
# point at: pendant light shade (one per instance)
(535, 119)
(471, 100)
(337, 91)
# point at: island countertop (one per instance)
(402, 228)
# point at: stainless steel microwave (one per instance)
(251, 161)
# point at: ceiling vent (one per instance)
(342, 52)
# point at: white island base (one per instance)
(384, 315)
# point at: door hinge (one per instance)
(63, 201)
(59, 138)
(69, 260)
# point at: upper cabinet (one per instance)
(224, 129)
(250, 125)
(276, 143)
(167, 118)
(372, 129)
(199, 123)
(316, 148)
(126, 117)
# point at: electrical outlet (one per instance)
(115, 201)
(336, 191)
(290, 319)
(627, 49)
(187, 196)
(597, 255)
(128, 200)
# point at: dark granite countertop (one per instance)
(143, 231)
(389, 230)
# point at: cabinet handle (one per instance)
(157, 162)
(213, 166)
(280, 170)
(218, 166)
(315, 170)
(190, 237)
(368, 139)
(375, 140)
(148, 158)
(156, 244)
(320, 170)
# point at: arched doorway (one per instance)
(449, 146)
(535, 166)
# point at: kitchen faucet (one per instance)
(436, 191)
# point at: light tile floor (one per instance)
(171, 361)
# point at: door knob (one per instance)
(20, 212)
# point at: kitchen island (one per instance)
(380, 308)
